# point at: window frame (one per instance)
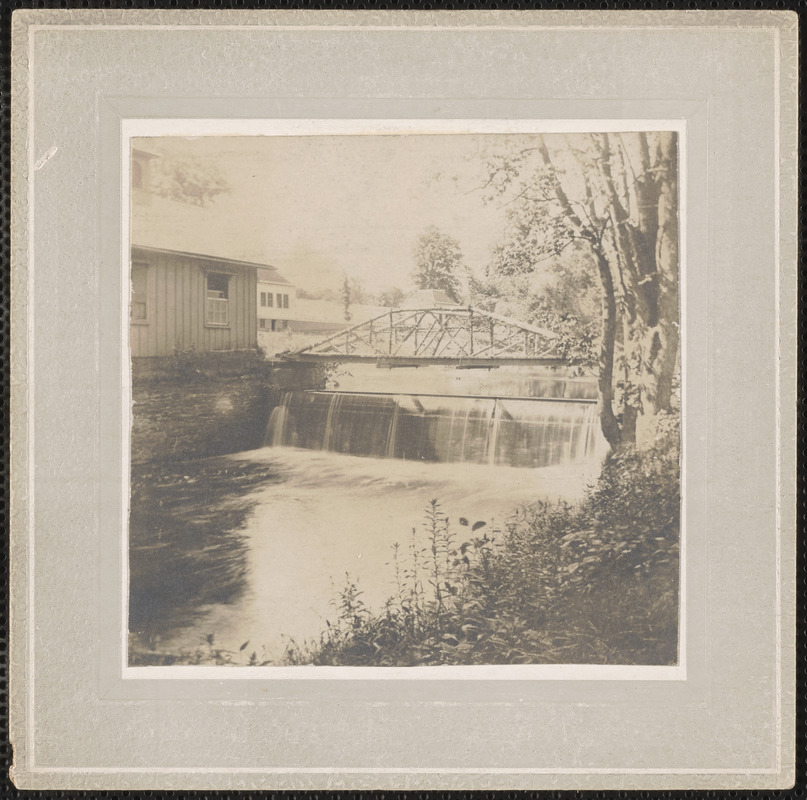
(144, 266)
(207, 275)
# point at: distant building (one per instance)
(277, 300)
(141, 176)
(326, 316)
(429, 298)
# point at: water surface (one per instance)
(262, 563)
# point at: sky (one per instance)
(320, 207)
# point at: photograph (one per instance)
(405, 400)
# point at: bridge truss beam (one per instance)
(418, 337)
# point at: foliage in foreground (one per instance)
(595, 583)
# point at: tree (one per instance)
(438, 261)
(560, 293)
(614, 198)
(347, 298)
(391, 298)
(188, 180)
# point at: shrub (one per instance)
(595, 583)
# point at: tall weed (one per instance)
(593, 583)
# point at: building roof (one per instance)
(204, 257)
(162, 223)
(173, 227)
(428, 298)
(327, 311)
(165, 224)
(138, 151)
(269, 274)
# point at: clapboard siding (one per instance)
(176, 292)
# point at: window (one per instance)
(263, 299)
(218, 287)
(139, 306)
(280, 301)
(272, 324)
(285, 301)
(269, 298)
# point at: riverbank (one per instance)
(592, 583)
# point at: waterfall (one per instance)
(277, 423)
(493, 424)
(393, 430)
(516, 432)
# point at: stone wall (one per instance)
(207, 404)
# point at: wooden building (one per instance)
(193, 270)
(187, 301)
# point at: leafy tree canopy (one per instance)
(391, 298)
(612, 198)
(188, 180)
(438, 262)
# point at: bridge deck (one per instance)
(425, 361)
(584, 400)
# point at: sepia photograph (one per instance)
(405, 400)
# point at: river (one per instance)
(263, 564)
(255, 547)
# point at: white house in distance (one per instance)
(277, 300)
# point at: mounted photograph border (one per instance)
(380, 125)
(729, 79)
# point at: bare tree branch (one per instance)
(559, 191)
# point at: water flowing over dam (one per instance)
(348, 473)
(500, 431)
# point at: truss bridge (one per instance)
(467, 338)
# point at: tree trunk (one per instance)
(662, 356)
(634, 240)
(644, 238)
(605, 381)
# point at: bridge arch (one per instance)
(463, 337)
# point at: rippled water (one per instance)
(267, 565)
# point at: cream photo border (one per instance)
(131, 129)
